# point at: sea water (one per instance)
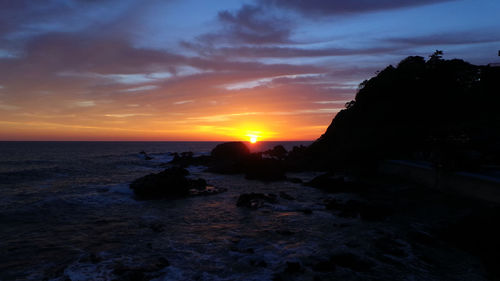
(61, 201)
(67, 213)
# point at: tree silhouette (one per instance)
(396, 113)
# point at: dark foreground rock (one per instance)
(255, 200)
(335, 184)
(140, 272)
(363, 210)
(171, 183)
(264, 169)
(477, 233)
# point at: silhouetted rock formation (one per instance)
(335, 184)
(266, 169)
(439, 110)
(363, 210)
(227, 157)
(171, 183)
(235, 157)
(255, 200)
(185, 159)
(230, 151)
(278, 152)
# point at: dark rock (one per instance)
(255, 200)
(230, 151)
(351, 261)
(355, 208)
(478, 233)
(390, 246)
(307, 211)
(370, 212)
(421, 237)
(349, 209)
(235, 157)
(243, 251)
(170, 183)
(228, 158)
(197, 184)
(286, 196)
(185, 159)
(140, 272)
(258, 263)
(295, 180)
(285, 232)
(324, 266)
(334, 184)
(146, 156)
(293, 267)
(278, 152)
(157, 227)
(208, 190)
(265, 169)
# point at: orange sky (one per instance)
(212, 114)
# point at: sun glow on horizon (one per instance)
(253, 139)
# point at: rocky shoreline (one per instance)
(409, 224)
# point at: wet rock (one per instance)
(293, 268)
(390, 246)
(351, 261)
(286, 196)
(208, 190)
(265, 169)
(243, 251)
(197, 184)
(171, 183)
(146, 156)
(371, 212)
(294, 180)
(285, 232)
(157, 227)
(324, 266)
(355, 208)
(478, 233)
(422, 237)
(260, 263)
(185, 159)
(91, 258)
(334, 184)
(307, 211)
(146, 270)
(255, 200)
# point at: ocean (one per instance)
(67, 213)
(63, 201)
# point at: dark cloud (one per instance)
(340, 7)
(453, 38)
(252, 25)
(290, 52)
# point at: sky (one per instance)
(213, 70)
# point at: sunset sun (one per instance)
(253, 139)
